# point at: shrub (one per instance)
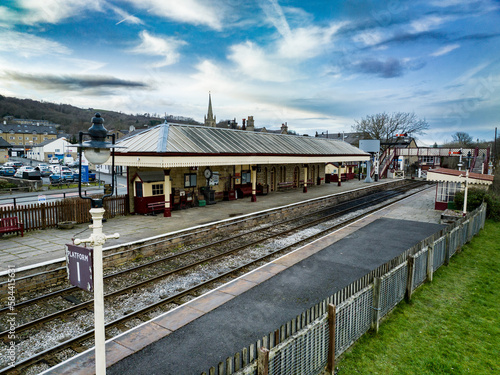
(474, 199)
(6, 185)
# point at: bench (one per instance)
(285, 185)
(11, 224)
(155, 207)
(243, 190)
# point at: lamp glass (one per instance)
(97, 155)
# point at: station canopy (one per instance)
(452, 175)
(176, 145)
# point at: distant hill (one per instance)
(73, 119)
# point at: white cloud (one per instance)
(254, 62)
(446, 49)
(275, 16)
(159, 46)
(125, 17)
(196, 12)
(307, 42)
(28, 45)
(35, 12)
(369, 38)
(427, 23)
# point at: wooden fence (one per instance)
(47, 215)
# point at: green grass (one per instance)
(451, 326)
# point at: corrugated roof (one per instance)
(455, 173)
(192, 139)
(151, 176)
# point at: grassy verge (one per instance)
(451, 326)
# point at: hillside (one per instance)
(73, 119)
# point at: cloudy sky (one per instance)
(317, 65)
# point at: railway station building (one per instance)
(173, 166)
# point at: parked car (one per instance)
(21, 170)
(92, 176)
(61, 177)
(68, 160)
(7, 171)
(74, 164)
(13, 164)
(54, 161)
(45, 171)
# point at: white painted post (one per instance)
(466, 188)
(97, 239)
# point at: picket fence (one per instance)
(310, 343)
(47, 215)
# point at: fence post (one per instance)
(447, 249)
(430, 262)
(409, 280)
(471, 229)
(44, 216)
(262, 361)
(330, 368)
(377, 283)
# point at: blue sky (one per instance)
(317, 65)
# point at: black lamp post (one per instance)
(97, 151)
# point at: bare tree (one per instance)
(462, 139)
(385, 126)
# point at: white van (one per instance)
(54, 161)
(68, 160)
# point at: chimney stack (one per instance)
(243, 126)
(250, 124)
(284, 128)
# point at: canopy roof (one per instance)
(452, 175)
(191, 139)
(176, 145)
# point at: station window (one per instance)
(157, 189)
(446, 191)
(190, 180)
(246, 177)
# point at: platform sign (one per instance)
(42, 199)
(79, 264)
(85, 169)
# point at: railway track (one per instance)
(144, 291)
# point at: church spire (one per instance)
(210, 119)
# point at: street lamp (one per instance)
(97, 151)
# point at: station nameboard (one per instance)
(79, 264)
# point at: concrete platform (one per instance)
(208, 329)
(45, 245)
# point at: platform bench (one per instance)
(285, 185)
(156, 207)
(11, 224)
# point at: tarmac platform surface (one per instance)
(201, 333)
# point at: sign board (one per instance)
(85, 169)
(79, 264)
(214, 180)
(369, 145)
(42, 199)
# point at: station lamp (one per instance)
(97, 151)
